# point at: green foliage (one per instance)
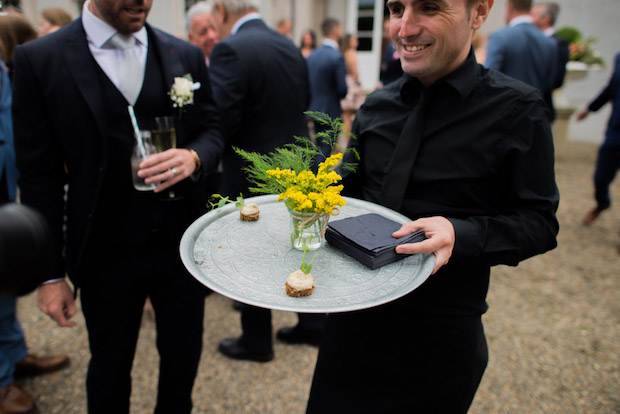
(239, 202)
(580, 49)
(569, 33)
(306, 267)
(298, 157)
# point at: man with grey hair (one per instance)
(260, 83)
(200, 30)
(544, 16)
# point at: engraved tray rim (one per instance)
(274, 296)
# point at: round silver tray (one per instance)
(250, 261)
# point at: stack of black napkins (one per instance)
(368, 239)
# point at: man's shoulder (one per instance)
(326, 55)
(382, 100)
(47, 43)
(494, 82)
(258, 38)
(165, 37)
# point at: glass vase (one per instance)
(308, 228)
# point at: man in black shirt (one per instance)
(481, 187)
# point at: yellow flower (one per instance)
(306, 192)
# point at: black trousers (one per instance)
(258, 331)
(113, 293)
(607, 166)
(378, 361)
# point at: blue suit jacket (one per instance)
(525, 53)
(7, 151)
(611, 93)
(327, 72)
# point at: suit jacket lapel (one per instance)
(83, 68)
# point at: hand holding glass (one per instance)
(140, 152)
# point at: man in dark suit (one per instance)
(118, 245)
(522, 51)
(327, 72)
(544, 16)
(260, 83)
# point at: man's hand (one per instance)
(167, 168)
(582, 114)
(439, 239)
(56, 301)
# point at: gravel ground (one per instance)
(553, 330)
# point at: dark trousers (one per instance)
(257, 328)
(607, 166)
(4, 190)
(378, 361)
(113, 293)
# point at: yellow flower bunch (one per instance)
(309, 193)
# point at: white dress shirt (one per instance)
(107, 56)
(246, 18)
(331, 43)
(524, 18)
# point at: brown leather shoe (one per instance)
(591, 216)
(15, 401)
(37, 365)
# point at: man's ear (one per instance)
(480, 13)
(221, 11)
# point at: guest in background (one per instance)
(608, 161)
(52, 19)
(284, 27)
(391, 69)
(308, 42)
(544, 16)
(15, 361)
(260, 83)
(15, 29)
(327, 72)
(200, 30)
(355, 95)
(522, 51)
(117, 245)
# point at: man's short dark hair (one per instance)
(328, 26)
(521, 5)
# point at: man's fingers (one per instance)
(406, 229)
(61, 315)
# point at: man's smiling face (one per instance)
(433, 37)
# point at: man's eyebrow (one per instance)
(393, 2)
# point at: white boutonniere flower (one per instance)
(182, 92)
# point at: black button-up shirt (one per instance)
(485, 163)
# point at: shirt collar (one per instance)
(99, 32)
(246, 18)
(462, 80)
(549, 31)
(524, 18)
(331, 43)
